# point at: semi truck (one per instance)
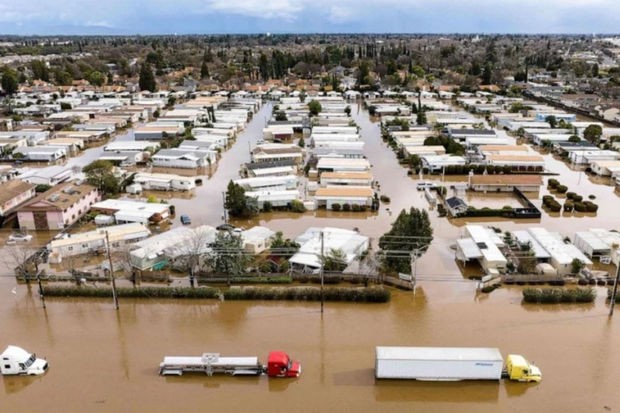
(452, 364)
(15, 360)
(279, 364)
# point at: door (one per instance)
(40, 221)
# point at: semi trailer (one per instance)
(15, 360)
(279, 364)
(452, 364)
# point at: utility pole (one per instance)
(114, 296)
(414, 262)
(613, 295)
(224, 205)
(322, 265)
(40, 288)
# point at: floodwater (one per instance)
(107, 361)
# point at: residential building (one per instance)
(57, 208)
(14, 193)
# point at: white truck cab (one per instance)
(16, 360)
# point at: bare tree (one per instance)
(190, 254)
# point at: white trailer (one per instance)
(15, 360)
(438, 363)
(211, 363)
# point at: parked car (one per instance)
(185, 219)
(18, 238)
(229, 228)
(423, 185)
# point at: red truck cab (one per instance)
(279, 364)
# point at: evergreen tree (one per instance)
(237, 203)
(147, 78)
(411, 231)
(9, 81)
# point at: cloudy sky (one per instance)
(44, 17)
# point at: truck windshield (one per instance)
(30, 360)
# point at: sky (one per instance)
(127, 17)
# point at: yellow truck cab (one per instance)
(519, 369)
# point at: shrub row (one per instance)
(362, 295)
(349, 207)
(558, 295)
(247, 280)
(553, 183)
(551, 203)
(610, 292)
(574, 197)
(128, 292)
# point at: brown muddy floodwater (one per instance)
(107, 361)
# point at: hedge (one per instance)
(363, 295)
(128, 292)
(558, 295)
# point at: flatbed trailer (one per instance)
(278, 365)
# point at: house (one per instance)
(530, 161)
(605, 168)
(124, 158)
(483, 245)
(164, 249)
(257, 239)
(339, 149)
(263, 169)
(317, 240)
(435, 163)
(40, 153)
(598, 242)
(277, 198)
(562, 253)
(461, 135)
(268, 183)
(586, 157)
(343, 165)
(57, 208)
(164, 182)
(95, 241)
(183, 158)
(346, 178)
(505, 183)
(343, 195)
(455, 206)
(51, 175)
(271, 152)
(132, 146)
(14, 193)
(133, 211)
(150, 132)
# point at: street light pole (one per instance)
(224, 205)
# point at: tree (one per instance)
(421, 117)
(96, 78)
(593, 133)
(335, 260)
(204, 68)
(574, 139)
(147, 78)
(227, 255)
(315, 107)
(411, 231)
(552, 121)
(577, 265)
(40, 70)
(9, 81)
(302, 142)
(192, 253)
(100, 174)
(347, 110)
(281, 247)
(237, 203)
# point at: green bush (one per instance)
(346, 207)
(568, 206)
(297, 206)
(367, 295)
(558, 295)
(267, 206)
(384, 198)
(591, 206)
(335, 207)
(128, 292)
(356, 208)
(580, 207)
(561, 189)
(553, 183)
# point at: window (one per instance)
(70, 248)
(7, 366)
(84, 245)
